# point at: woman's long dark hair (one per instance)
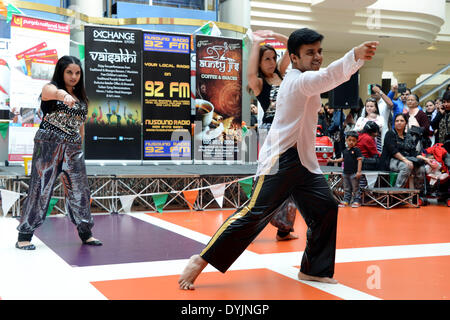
(58, 77)
(263, 49)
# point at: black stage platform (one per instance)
(161, 170)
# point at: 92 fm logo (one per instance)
(176, 89)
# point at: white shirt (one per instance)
(384, 112)
(298, 104)
(359, 126)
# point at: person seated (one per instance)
(367, 145)
(371, 113)
(418, 122)
(433, 170)
(400, 155)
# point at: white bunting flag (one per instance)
(371, 179)
(218, 191)
(127, 202)
(8, 199)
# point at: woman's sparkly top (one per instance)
(66, 121)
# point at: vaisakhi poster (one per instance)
(36, 46)
(218, 103)
(113, 86)
(166, 96)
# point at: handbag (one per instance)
(371, 164)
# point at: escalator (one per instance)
(433, 86)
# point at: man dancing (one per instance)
(288, 167)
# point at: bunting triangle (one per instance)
(190, 196)
(209, 29)
(160, 201)
(8, 199)
(81, 51)
(392, 178)
(127, 202)
(247, 186)
(11, 9)
(371, 179)
(52, 203)
(218, 191)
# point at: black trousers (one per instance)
(313, 198)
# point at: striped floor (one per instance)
(397, 254)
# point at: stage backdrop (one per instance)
(113, 84)
(167, 96)
(218, 119)
(36, 46)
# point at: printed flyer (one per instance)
(218, 119)
(113, 86)
(36, 45)
(166, 96)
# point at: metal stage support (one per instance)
(106, 189)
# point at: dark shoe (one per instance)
(27, 247)
(93, 243)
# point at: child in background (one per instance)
(352, 159)
(433, 170)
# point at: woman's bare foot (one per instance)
(290, 236)
(23, 243)
(194, 267)
(302, 276)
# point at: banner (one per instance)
(166, 96)
(218, 104)
(5, 74)
(113, 86)
(36, 46)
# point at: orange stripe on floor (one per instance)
(257, 284)
(407, 279)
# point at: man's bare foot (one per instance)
(290, 236)
(194, 267)
(302, 276)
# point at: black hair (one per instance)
(58, 77)
(300, 37)
(351, 134)
(446, 96)
(374, 85)
(262, 49)
(405, 116)
(370, 127)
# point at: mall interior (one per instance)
(152, 216)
